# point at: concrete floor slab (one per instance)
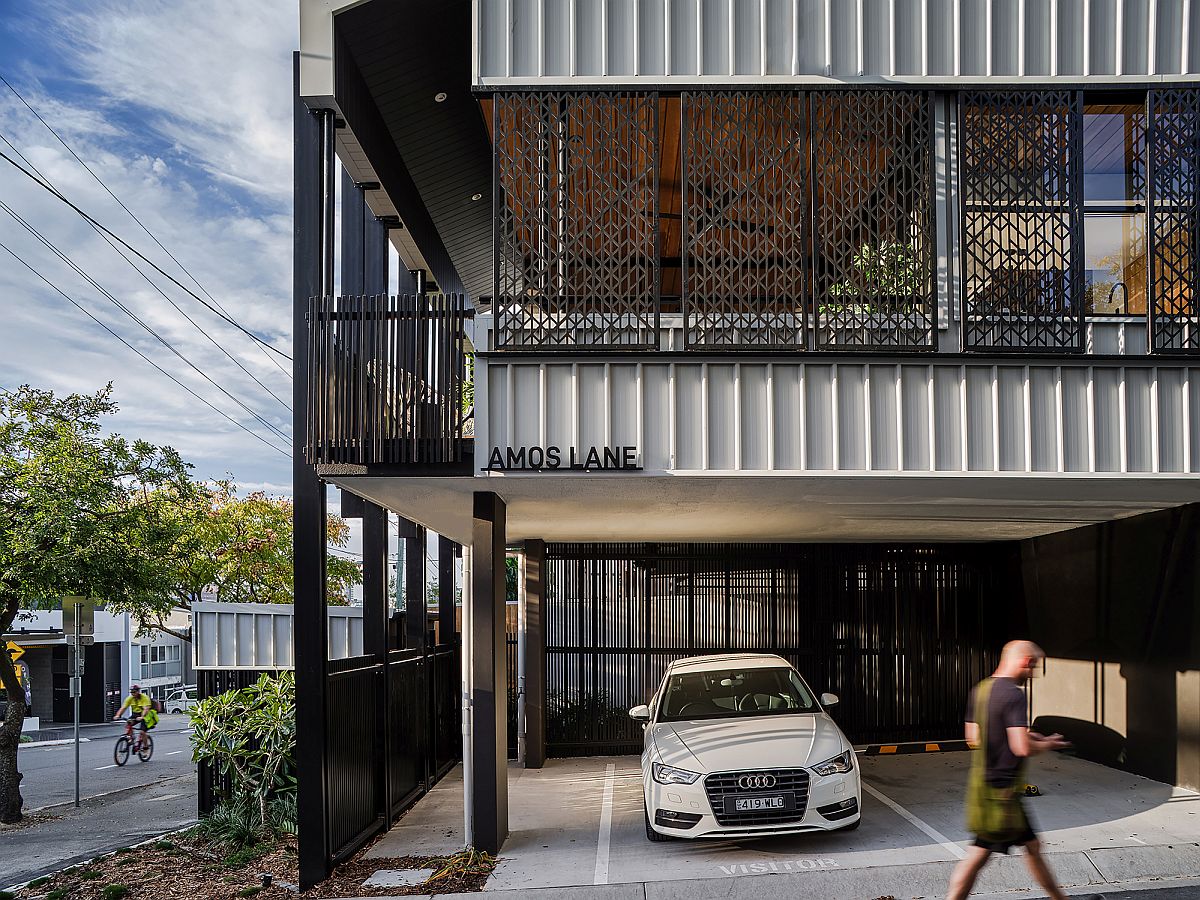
(1103, 827)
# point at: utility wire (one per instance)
(120, 252)
(131, 213)
(99, 322)
(125, 309)
(175, 281)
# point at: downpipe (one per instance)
(467, 683)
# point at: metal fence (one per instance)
(900, 633)
(388, 376)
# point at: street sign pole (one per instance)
(76, 684)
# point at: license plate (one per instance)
(758, 803)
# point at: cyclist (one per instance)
(141, 713)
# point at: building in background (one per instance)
(118, 658)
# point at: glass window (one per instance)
(1114, 221)
(1115, 262)
(731, 693)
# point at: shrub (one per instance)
(234, 823)
(114, 892)
(249, 736)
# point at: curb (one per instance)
(916, 747)
(61, 743)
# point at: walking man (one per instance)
(997, 728)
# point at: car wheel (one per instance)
(651, 834)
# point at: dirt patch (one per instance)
(179, 867)
(461, 873)
(190, 867)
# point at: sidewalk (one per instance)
(57, 731)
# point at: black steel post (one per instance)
(308, 509)
(489, 687)
(535, 654)
(448, 552)
(375, 641)
(353, 246)
(415, 639)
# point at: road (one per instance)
(49, 770)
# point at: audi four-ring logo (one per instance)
(755, 782)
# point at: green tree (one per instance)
(240, 550)
(81, 513)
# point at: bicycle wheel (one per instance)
(121, 751)
(147, 749)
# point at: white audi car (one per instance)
(737, 745)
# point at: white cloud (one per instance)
(184, 111)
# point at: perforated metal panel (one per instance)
(1022, 220)
(576, 195)
(1174, 208)
(873, 220)
(745, 208)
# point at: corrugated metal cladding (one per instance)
(570, 41)
(259, 635)
(856, 416)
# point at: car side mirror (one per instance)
(828, 699)
(640, 713)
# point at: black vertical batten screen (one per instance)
(576, 220)
(387, 376)
(1021, 187)
(309, 502)
(901, 632)
(873, 237)
(1173, 208)
(745, 208)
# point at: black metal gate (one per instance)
(900, 632)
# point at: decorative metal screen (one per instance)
(1174, 212)
(576, 205)
(1020, 154)
(745, 205)
(873, 241)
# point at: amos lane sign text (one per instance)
(577, 459)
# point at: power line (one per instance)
(121, 306)
(187, 388)
(131, 213)
(154, 285)
(124, 243)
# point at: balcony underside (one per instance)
(777, 507)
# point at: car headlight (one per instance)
(671, 775)
(841, 763)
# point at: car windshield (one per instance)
(730, 693)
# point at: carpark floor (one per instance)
(578, 822)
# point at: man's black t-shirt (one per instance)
(1006, 709)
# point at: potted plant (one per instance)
(884, 294)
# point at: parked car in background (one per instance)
(738, 745)
(180, 700)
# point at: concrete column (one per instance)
(488, 688)
(535, 654)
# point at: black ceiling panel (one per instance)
(407, 53)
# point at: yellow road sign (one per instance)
(15, 651)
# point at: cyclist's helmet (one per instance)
(134, 689)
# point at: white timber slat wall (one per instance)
(259, 635)
(594, 41)
(855, 416)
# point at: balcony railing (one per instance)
(388, 380)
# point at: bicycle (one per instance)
(127, 742)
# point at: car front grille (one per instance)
(720, 785)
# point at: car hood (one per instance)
(767, 742)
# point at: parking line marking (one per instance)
(102, 768)
(956, 851)
(603, 841)
(173, 752)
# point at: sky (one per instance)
(184, 111)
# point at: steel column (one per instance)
(308, 509)
(488, 689)
(535, 654)
(375, 638)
